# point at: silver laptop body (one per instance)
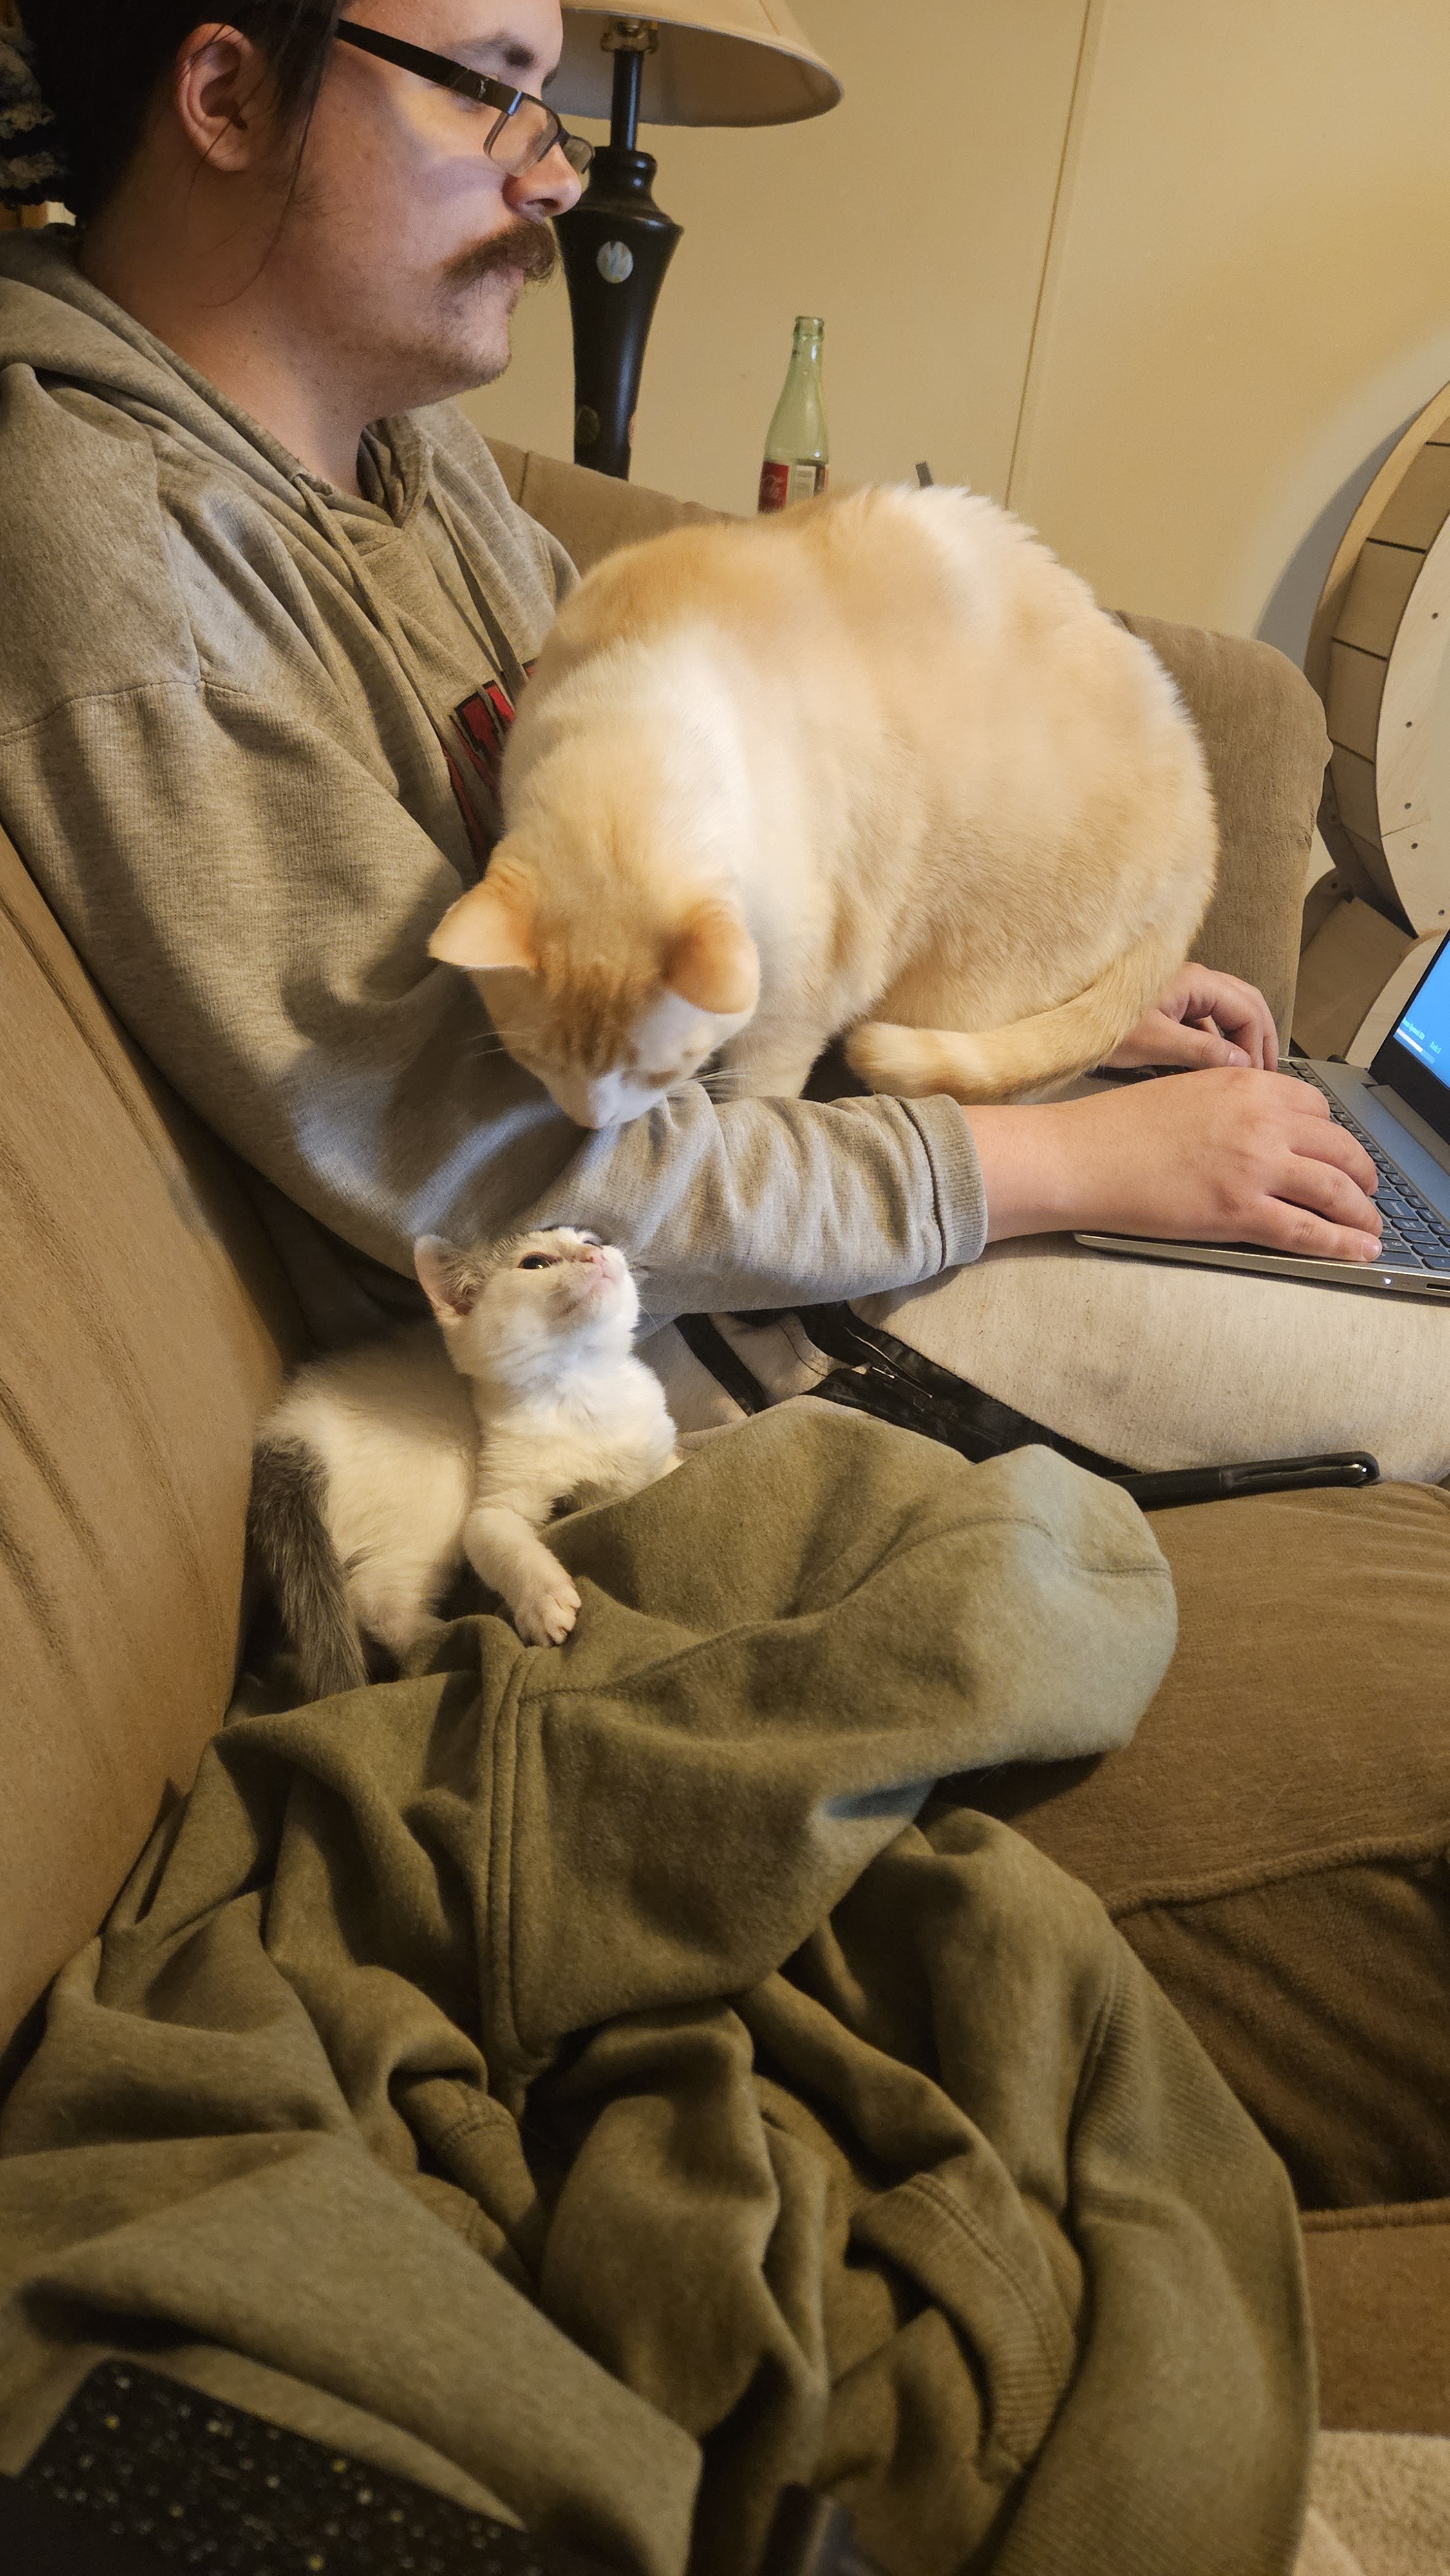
(1400, 1111)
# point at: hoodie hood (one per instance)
(114, 447)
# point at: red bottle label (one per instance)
(782, 484)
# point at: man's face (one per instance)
(395, 251)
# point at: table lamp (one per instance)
(732, 62)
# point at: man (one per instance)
(268, 608)
(261, 612)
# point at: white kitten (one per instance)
(379, 1471)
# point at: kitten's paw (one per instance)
(545, 1615)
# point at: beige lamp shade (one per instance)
(732, 62)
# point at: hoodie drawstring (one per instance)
(381, 610)
(331, 527)
(511, 669)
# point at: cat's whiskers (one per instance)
(721, 1086)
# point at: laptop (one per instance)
(1400, 1113)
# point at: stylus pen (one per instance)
(1260, 1476)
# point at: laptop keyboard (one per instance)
(1415, 1237)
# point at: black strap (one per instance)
(887, 1376)
(888, 1380)
(726, 1366)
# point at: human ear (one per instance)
(712, 962)
(447, 1277)
(219, 92)
(488, 928)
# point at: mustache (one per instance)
(529, 249)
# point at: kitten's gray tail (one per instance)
(1026, 1055)
(286, 1526)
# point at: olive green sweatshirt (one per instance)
(248, 731)
(588, 2081)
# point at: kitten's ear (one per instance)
(488, 927)
(712, 962)
(450, 1279)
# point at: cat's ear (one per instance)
(450, 1280)
(486, 928)
(712, 962)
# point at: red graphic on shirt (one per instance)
(480, 728)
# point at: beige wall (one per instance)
(1249, 286)
(915, 217)
(1189, 259)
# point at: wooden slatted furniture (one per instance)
(1379, 655)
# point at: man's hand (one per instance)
(1203, 1018)
(1229, 1156)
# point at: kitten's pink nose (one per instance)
(593, 1268)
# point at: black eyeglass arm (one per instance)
(478, 86)
(438, 68)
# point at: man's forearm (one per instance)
(774, 1202)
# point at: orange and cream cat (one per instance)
(878, 767)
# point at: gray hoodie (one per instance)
(248, 725)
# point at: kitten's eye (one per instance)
(539, 1261)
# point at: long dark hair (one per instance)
(100, 63)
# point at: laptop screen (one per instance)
(1425, 1027)
(1415, 1059)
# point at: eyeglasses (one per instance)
(523, 132)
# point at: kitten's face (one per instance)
(608, 1016)
(516, 1308)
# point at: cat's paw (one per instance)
(546, 1613)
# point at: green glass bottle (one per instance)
(798, 447)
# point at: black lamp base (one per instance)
(616, 246)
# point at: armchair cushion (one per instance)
(1272, 1843)
(145, 1325)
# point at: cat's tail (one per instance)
(286, 1526)
(1025, 1055)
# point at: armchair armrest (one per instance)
(591, 514)
(1262, 729)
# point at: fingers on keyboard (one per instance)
(1415, 1237)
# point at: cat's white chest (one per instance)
(606, 1471)
(577, 1448)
